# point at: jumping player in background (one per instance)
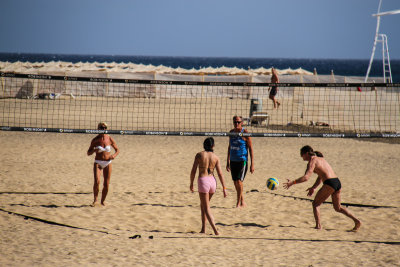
(274, 89)
(237, 160)
(207, 162)
(101, 145)
(331, 185)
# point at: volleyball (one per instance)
(272, 183)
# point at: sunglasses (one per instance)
(237, 122)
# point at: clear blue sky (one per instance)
(213, 28)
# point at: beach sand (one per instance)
(48, 177)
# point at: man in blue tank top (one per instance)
(237, 160)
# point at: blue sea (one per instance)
(345, 67)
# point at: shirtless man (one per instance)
(331, 185)
(207, 161)
(101, 145)
(274, 89)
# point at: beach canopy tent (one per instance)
(68, 67)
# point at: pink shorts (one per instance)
(207, 184)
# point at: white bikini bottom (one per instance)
(102, 163)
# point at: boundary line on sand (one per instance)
(54, 223)
(343, 203)
(251, 191)
(204, 237)
(285, 239)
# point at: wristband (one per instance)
(294, 182)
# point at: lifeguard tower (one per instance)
(382, 38)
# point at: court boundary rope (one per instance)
(203, 237)
(342, 203)
(250, 191)
(53, 222)
(283, 239)
(47, 193)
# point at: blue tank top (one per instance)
(238, 148)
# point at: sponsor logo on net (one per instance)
(96, 131)
(215, 134)
(4, 74)
(128, 132)
(191, 83)
(363, 135)
(67, 78)
(160, 82)
(28, 129)
(274, 135)
(34, 76)
(391, 135)
(185, 133)
(156, 133)
(220, 83)
(333, 135)
(304, 135)
(100, 80)
(66, 130)
(131, 81)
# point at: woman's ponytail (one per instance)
(209, 144)
(309, 150)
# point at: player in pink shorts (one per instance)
(207, 184)
(207, 161)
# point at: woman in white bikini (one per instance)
(102, 144)
(207, 161)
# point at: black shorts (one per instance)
(334, 183)
(238, 170)
(273, 91)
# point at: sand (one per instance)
(46, 178)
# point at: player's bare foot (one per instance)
(356, 226)
(93, 204)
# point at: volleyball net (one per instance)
(66, 104)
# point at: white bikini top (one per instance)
(103, 149)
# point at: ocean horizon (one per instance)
(344, 67)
